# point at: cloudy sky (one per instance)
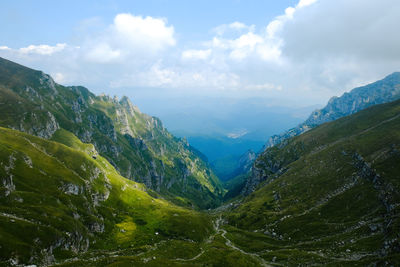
(288, 52)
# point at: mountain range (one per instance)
(90, 180)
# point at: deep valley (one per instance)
(90, 180)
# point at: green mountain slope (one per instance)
(332, 195)
(136, 144)
(379, 92)
(59, 201)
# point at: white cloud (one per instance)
(265, 45)
(247, 45)
(3, 47)
(304, 3)
(244, 45)
(42, 49)
(147, 32)
(130, 37)
(102, 53)
(233, 27)
(160, 76)
(237, 25)
(196, 54)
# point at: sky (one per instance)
(292, 53)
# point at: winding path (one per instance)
(229, 243)
(218, 230)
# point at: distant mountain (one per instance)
(223, 128)
(253, 119)
(383, 91)
(136, 144)
(330, 196)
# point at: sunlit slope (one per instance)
(58, 201)
(137, 145)
(332, 195)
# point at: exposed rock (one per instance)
(127, 104)
(47, 82)
(265, 168)
(7, 180)
(96, 227)
(386, 194)
(42, 127)
(71, 189)
(28, 161)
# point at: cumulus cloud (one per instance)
(147, 32)
(265, 44)
(42, 49)
(130, 36)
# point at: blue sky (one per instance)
(284, 53)
(50, 22)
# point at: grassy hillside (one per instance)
(58, 201)
(331, 195)
(136, 144)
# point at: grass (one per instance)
(322, 208)
(109, 211)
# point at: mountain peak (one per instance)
(127, 103)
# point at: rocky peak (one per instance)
(46, 81)
(127, 104)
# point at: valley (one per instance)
(91, 180)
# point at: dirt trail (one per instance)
(231, 245)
